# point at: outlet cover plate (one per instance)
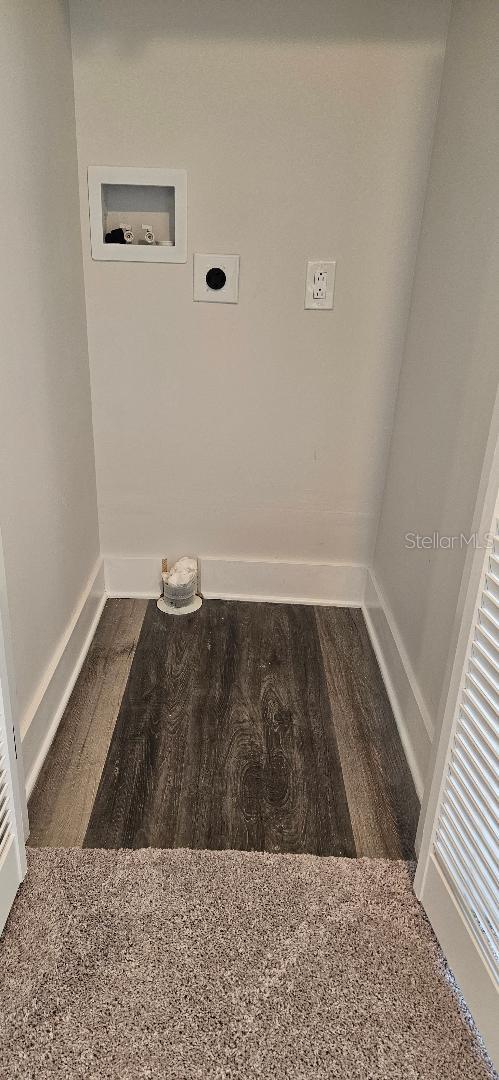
(229, 293)
(325, 271)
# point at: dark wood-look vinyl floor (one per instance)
(251, 726)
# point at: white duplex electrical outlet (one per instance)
(319, 287)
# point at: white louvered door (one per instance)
(12, 858)
(457, 879)
(466, 839)
(12, 799)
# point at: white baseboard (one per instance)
(272, 581)
(134, 577)
(41, 720)
(411, 715)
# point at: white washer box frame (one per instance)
(141, 177)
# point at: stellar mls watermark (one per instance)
(447, 542)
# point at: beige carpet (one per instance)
(131, 965)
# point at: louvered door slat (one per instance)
(491, 609)
(461, 782)
(470, 737)
(481, 709)
(5, 811)
(464, 842)
(484, 647)
(494, 566)
(478, 747)
(483, 731)
(460, 874)
(485, 682)
(477, 824)
(476, 780)
(488, 628)
(473, 764)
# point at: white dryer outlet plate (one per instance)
(216, 278)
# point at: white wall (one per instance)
(260, 429)
(47, 477)
(450, 371)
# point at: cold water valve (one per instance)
(148, 234)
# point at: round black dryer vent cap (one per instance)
(216, 277)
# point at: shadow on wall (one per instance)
(449, 377)
(279, 20)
